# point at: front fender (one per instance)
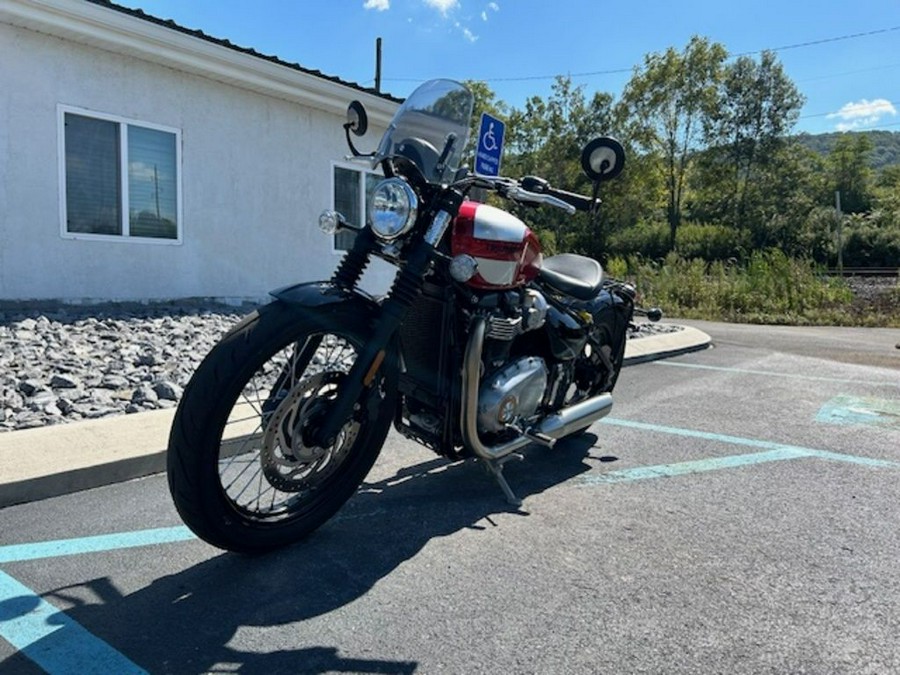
(323, 298)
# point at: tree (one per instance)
(850, 174)
(545, 139)
(757, 104)
(665, 103)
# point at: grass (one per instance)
(769, 288)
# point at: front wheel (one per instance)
(243, 472)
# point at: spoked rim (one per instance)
(268, 469)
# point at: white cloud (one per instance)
(443, 6)
(862, 113)
(379, 5)
(492, 6)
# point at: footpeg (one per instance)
(534, 436)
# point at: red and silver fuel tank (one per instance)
(507, 252)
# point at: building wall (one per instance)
(255, 175)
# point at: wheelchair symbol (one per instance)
(489, 141)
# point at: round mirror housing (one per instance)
(357, 119)
(603, 158)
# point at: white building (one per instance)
(140, 160)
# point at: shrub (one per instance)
(646, 239)
(872, 240)
(711, 242)
(769, 288)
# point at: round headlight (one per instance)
(394, 208)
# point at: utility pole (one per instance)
(840, 238)
(378, 65)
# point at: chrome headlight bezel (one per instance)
(393, 209)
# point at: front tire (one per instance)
(242, 472)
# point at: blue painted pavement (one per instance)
(773, 452)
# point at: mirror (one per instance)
(357, 119)
(603, 158)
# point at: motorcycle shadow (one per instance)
(197, 612)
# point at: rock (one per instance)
(64, 382)
(146, 359)
(167, 391)
(41, 399)
(114, 382)
(144, 394)
(28, 387)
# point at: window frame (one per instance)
(123, 124)
(363, 171)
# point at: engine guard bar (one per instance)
(555, 426)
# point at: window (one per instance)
(119, 179)
(351, 194)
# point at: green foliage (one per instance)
(816, 238)
(872, 240)
(769, 288)
(665, 103)
(648, 239)
(711, 242)
(711, 173)
(885, 145)
(850, 173)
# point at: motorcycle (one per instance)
(481, 347)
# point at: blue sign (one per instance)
(490, 146)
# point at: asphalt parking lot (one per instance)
(736, 513)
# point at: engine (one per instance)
(513, 390)
(513, 393)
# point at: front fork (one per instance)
(403, 293)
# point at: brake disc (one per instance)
(289, 463)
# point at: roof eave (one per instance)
(124, 33)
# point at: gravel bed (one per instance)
(63, 363)
(66, 363)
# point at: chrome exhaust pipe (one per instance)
(555, 426)
(576, 417)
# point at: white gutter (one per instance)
(123, 33)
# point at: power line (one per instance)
(619, 71)
(823, 41)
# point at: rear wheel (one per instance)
(594, 377)
(243, 472)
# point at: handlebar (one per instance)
(519, 194)
(534, 190)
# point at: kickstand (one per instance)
(495, 467)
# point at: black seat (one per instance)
(574, 275)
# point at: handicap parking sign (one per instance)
(490, 146)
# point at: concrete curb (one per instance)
(665, 345)
(56, 460)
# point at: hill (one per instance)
(885, 153)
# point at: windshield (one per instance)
(431, 129)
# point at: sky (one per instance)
(843, 56)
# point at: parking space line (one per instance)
(773, 452)
(695, 466)
(50, 638)
(772, 373)
(95, 544)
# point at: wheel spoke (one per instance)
(265, 467)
